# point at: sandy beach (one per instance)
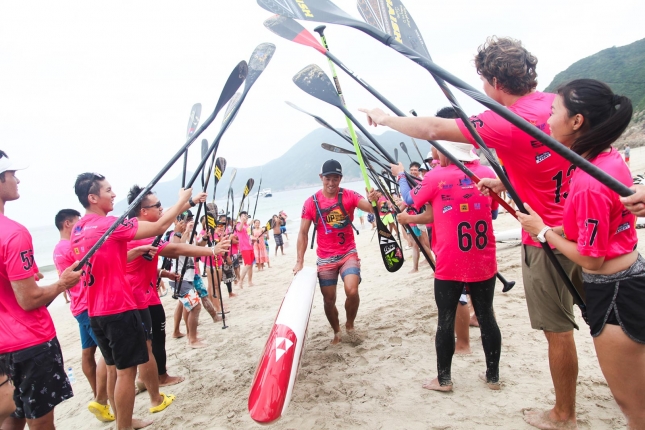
(374, 385)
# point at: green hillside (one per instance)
(622, 68)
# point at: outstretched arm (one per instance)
(428, 127)
(150, 229)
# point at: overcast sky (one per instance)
(108, 86)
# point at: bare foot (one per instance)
(232, 295)
(250, 284)
(435, 386)
(139, 424)
(336, 339)
(197, 344)
(141, 387)
(542, 420)
(463, 350)
(413, 271)
(166, 380)
(495, 386)
(178, 335)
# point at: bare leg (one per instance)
(622, 361)
(149, 376)
(563, 362)
(45, 422)
(415, 258)
(208, 305)
(212, 304)
(177, 320)
(123, 396)
(462, 346)
(101, 383)
(191, 326)
(329, 299)
(88, 365)
(352, 301)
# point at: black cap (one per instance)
(331, 167)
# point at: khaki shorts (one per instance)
(549, 302)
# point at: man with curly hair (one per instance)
(508, 75)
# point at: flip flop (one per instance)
(101, 412)
(167, 400)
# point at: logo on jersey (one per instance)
(442, 185)
(335, 218)
(466, 182)
(282, 345)
(622, 227)
(478, 206)
(536, 144)
(76, 251)
(541, 157)
(476, 122)
(447, 208)
(446, 197)
(463, 207)
(625, 213)
(78, 229)
(467, 196)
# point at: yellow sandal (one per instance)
(101, 412)
(167, 400)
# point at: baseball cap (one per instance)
(461, 151)
(331, 167)
(7, 165)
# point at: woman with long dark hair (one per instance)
(598, 233)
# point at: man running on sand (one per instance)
(111, 304)
(31, 357)
(549, 303)
(332, 210)
(96, 373)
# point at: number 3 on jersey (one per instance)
(341, 236)
(464, 233)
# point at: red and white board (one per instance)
(277, 370)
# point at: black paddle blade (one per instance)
(372, 13)
(310, 10)
(318, 119)
(289, 29)
(399, 23)
(315, 82)
(403, 147)
(234, 82)
(231, 104)
(390, 250)
(248, 187)
(336, 149)
(220, 167)
(193, 120)
(396, 155)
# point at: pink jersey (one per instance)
(108, 290)
(463, 239)
(77, 295)
(540, 176)
(142, 275)
(332, 241)
(594, 217)
(243, 236)
(19, 329)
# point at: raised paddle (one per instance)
(257, 196)
(405, 149)
(247, 189)
(193, 121)
(414, 142)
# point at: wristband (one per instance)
(178, 235)
(192, 203)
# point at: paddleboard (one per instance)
(277, 370)
(513, 234)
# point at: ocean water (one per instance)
(45, 238)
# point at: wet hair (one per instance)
(132, 195)
(65, 215)
(606, 115)
(506, 60)
(86, 184)
(447, 112)
(415, 164)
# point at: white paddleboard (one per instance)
(513, 234)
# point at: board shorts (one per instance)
(626, 159)
(416, 230)
(39, 379)
(283, 229)
(278, 239)
(146, 320)
(617, 299)
(330, 268)
(121, 338)
(200, 287)
(188, 295)
(236, 261)
(370, 218)
(549, 303)
(88, 339)
(248, 256)
(387, 219)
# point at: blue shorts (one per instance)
(283, 229)
(416, 230)
(199, 287)
(88, 338)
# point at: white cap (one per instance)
(429, 156)
(461, 151)
(7, 165)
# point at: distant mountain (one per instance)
(623, 69)
(297, 168)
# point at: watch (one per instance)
(541, 235)
(178, 235)
(192, 203)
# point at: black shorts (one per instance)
(617, 299)
(39, 378)
(146, 319)
(121, 338)
(236, 261)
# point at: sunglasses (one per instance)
(156, 205)
(8, 378)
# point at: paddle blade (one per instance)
(231, 104)
(291, 30)
(234, 82)
(318, 10)
(372, 13)
(233, 173)
(315, 82)
(248, 187)
(396, 155)
(336, 149)
(220, 167)
(193, 120)
(403, 147)
(260, 58)
(390, 250)
(401, 26)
